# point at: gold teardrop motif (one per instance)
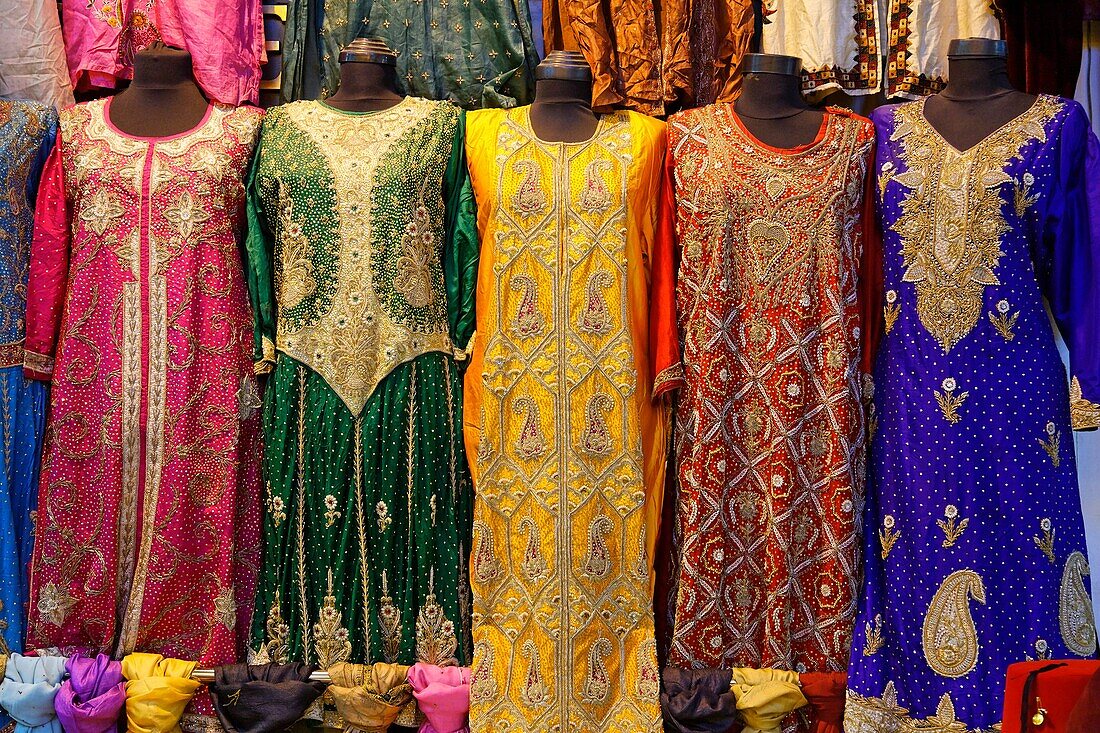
(950, 638)
(1075, 608)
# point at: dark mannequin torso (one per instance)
(562, 111)
(772, 108)
(977, 100)
(163, 98)
(366, 87)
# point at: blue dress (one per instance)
(973, 535)
(27, 134)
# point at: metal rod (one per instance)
(207, 675)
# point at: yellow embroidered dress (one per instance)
(564, 424)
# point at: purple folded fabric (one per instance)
(443, 695)
(91, 700)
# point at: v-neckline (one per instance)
(971, 148)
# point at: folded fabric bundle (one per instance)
(765, 697)
(443, 694)
(697, 700)
(263, 698)
(369, 697)
(91, 700)
(157, 692)
(825, 693)
(28, 691)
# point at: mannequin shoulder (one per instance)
(864, 126)
(481, 122)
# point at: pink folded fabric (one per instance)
(443, 695)
(91, 700)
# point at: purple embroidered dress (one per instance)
(975, 547)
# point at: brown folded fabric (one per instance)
(263, 698)
(1085, 717)
(698, 701)
(370, 697)
(825, 693)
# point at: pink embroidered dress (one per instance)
(148, 521)
(225, 38)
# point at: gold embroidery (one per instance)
(225, 608)
(1084, 414)
(952, 531)
(596, 316)
(1042, 651)
(597, 682)
(294, 280)
(1004, 321)
(100, 212)
(949, 637)
(534, 691)
(533, 563)
(436, 642)
(597, 561)
(54, 604)
(1052, 443)
(885, 176)
(952, 222)
(414, 277)
(487, 567)
(482, 683)
(248, 398)
(596, 436)
(278, 510)
(884, 715)
(1023, 199)
(1075, 617)
(531, 444)
(385, 519)
(1046, 544)
(529, 199)
(330, 637)
(389, 620)
(529, 320)
(891, 310)
(595, 198)
(649, 679)
(950, 402)
(186, 214)
(873, 637)
(39, 363)
(769, 242)
(331, 515)
(278, 634)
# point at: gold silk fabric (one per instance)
(565, 439)
(369, 697)
(158, 690)
(765, 697)
(655, 57)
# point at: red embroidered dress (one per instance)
(138, 311)
(770, 429)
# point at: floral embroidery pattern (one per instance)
(414, 275)
(332, 644)
(1046, 544)
(952, 531)
(436, 642)
(385, 520)
(891, 310)
(331, 515)
(949, 402)
(389, 619)
(1052, 443)
(887, 536)
(873, 639)
(1003, 320)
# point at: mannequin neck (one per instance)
(771, 96)
(977, 77)
(366, 87)
(562, 110)
(163, 99)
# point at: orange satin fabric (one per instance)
(651, 56)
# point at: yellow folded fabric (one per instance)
(369, 697)
(765, 696)
(157, 692)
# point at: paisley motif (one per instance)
(597, 562)
(531, 444)
(597, 681)
(533, 563)
(486, 566)
(482, 684)
(528, 320)
(595, 198)
(596, 316)
(534, 691)
(528, 199)
(596, 436)
(1075, 608)
(950, 638)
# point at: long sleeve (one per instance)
(462, 250)
(870, 273)
(49, 269)
(668, 372)
(1071, 239)
(49, 140)
(260, 255)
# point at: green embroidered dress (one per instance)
(362, 266)
(475, 53)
